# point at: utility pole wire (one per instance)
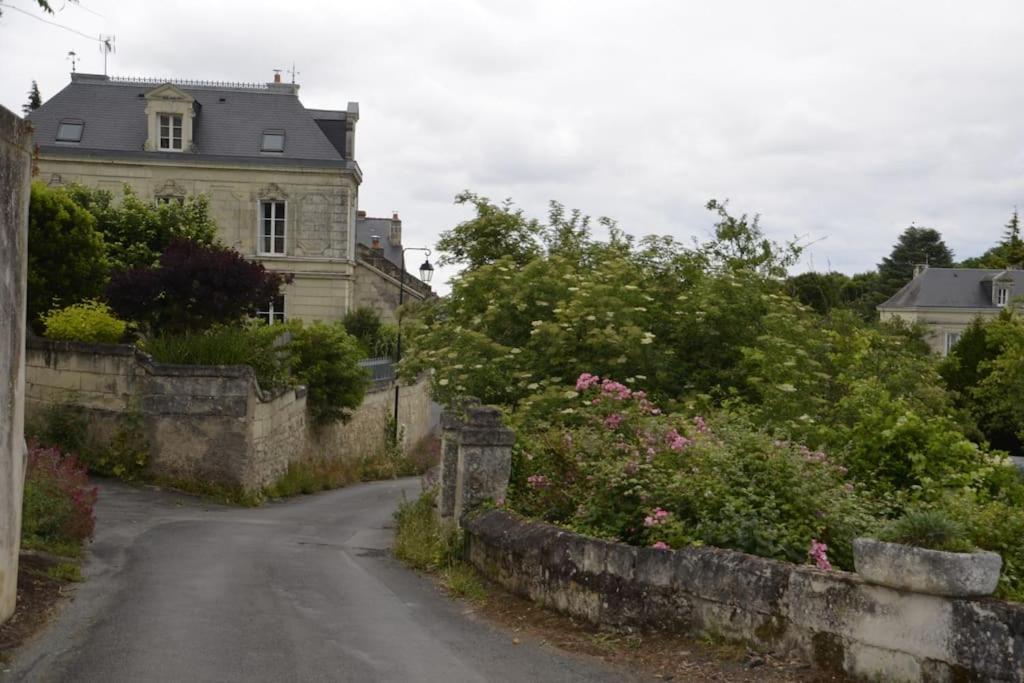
(47, 21)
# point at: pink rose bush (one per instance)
(605, 460)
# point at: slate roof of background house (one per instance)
(115, 122)
(952, 288)
(367, 227)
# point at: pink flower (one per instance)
(676, 441)
(538, 481)
(658, 516)
(612, 389)
(586, 380)
(613, 421)
(661, 545)
(702, 426)
(819, 553)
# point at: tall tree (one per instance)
(1008, 252)
(916, 245)
(34, 100)
(495, 232)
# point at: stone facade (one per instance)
(319, 215)
(211, 424)
(835, 619)
(15, 170)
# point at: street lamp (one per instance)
(426, 275)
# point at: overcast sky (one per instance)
(841, 122)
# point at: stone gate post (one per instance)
(484, 461)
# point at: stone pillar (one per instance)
(484, 459)
(451, 425)
(15, 178)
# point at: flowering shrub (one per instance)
(605, 460)
(58, 503)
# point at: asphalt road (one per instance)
(302, 590)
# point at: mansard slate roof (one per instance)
(955, 288)
(228, 125)
(367, 227)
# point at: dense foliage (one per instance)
(67, 260)
(376, 339)
(193, 287)
(787, 428)
(89, 321)
(326, 359)
(136, 232)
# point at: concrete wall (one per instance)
(15, 173)
(211, 424)
(835, 619)
(320, 216)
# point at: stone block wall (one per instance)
(834, 619)
(209, 424)
(15, 173)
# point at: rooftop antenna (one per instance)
(73, 58)
(293, 72)
(106, 47)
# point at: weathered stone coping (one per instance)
(834, 619)
(154, 368)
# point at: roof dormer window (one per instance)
(70, 131)
(170, 132)
(273, 141)
(1002, 296)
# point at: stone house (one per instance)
(946, 300)
(282, 179)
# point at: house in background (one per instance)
(282, 180)
(946, 300)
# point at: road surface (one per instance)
(302, 590)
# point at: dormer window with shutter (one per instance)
(1002, 295)
(170, 132)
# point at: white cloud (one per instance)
(844, 121)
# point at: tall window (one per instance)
(273, 312)
(170, 131)
(951, 339)
(272, 227)
(1002, 296)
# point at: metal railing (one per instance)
(188, 83)
(381, 370)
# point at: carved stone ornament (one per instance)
(272, 191)
(171, 188)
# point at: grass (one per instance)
(71, 549)
(424, 543)
(65, 571)
(932, 529)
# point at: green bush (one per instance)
(325, 358)
(262, 347)
(89, 321)
(603, 460)
(421, 541)
(932, 529)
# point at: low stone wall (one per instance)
(210, 424)
(834, 619)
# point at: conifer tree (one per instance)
(35, 100)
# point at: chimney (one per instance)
(376, 241)
(920, 268)
(395, 237)
(361, 213)
(277, 77)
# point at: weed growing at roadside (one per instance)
(424, 543)
(65, 571)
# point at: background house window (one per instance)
(273, 141)
(1002, 296)
(951, 339)
(168, 198)
(170, 131)
(272, 227)
(272, 313)
(70, 131)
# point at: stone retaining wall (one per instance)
(210, 424)
(834, 619)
